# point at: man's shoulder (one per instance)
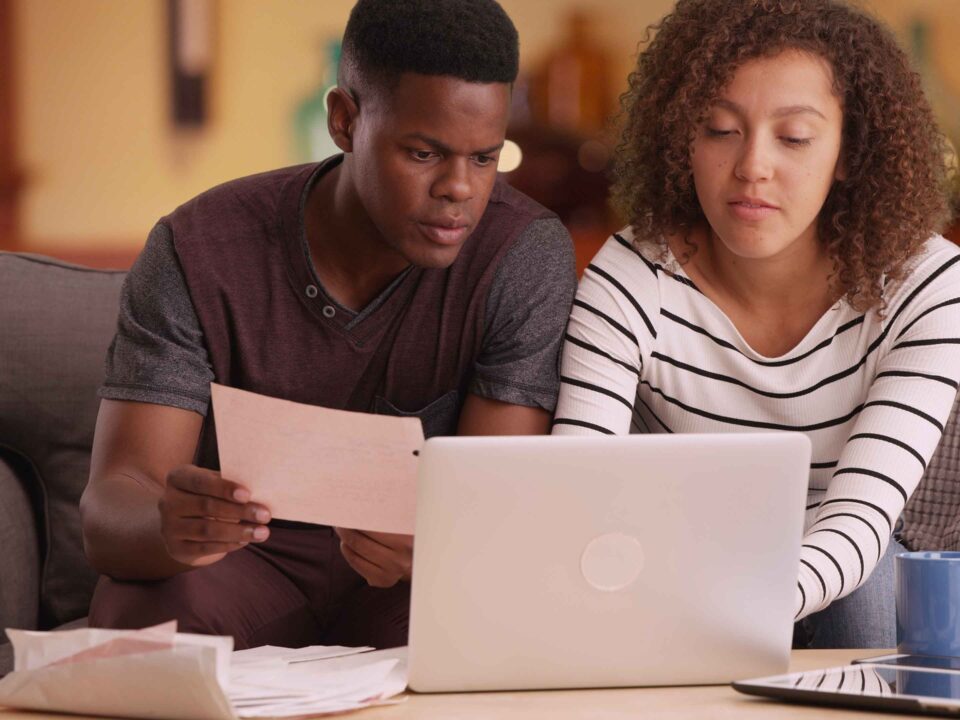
(508, 200)
(256, 198)
(511, 218)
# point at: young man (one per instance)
(401, 277)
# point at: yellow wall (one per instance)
(102, 159)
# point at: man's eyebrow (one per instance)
(446, 149)
(778, 113)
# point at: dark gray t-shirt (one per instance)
(159, 355)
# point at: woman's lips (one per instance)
(444, 234)
(751, 210)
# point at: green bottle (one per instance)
(313, 141)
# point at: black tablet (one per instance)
(934, 662)
(876, 687)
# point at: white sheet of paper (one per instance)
(314, 464)
(287, 656)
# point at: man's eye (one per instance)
(484, 160)
(422, 155)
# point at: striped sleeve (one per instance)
(893, 438)
(610, 332)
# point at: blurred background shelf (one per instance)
(113, 113)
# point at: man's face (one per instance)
(424, 161)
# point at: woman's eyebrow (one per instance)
(778, 113)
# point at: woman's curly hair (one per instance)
(893, 196)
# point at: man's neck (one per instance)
(349, 255)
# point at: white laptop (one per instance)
(569, 562)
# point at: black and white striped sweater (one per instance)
(646, 351)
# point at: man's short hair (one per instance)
(473, 40)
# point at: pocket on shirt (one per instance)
(438, 418)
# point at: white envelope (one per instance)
(153, 673)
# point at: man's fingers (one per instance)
(185, 504)
(200, 481)
(362, 544)
(395, 562)
(390, 541)
(204, 530)
(375, 575)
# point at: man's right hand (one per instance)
(203, 517)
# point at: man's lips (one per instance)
(444, 233)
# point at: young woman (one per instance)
(784, 181)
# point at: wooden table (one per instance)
(676, 703)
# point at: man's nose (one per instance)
(455, 183)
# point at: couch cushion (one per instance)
(931, 520)
(20, 558)
(56, 322)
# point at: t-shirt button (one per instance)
(329, 311)
(311, 291)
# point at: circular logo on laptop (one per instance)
(612, 562)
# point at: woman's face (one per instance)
(768, 153)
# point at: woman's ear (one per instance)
(840, 172)
(342, 111)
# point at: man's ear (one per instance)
(342, 111)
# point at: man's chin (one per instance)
(435, 258)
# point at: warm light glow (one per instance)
(593, 156)
(510, 157)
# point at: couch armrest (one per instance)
(19, 554)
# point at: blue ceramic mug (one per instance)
(928, 603)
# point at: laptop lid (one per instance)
(560, 562)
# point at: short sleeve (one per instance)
(158, 354)
(526, 312)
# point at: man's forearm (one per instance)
(121, 529)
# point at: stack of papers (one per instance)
(159, 672)
(280, 682)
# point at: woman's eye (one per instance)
(718, 132)
(796, 141)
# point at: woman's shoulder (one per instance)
(937, 246)
(931, 276)
(937, 264)
(626, 249)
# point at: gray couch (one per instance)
(56, 322)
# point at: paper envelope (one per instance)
(318, 465)
(153, 673)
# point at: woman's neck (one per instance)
(772, 301)
(797, 276)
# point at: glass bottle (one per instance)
(313, 141)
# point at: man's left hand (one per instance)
(382, 559)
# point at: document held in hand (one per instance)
(313, 464)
